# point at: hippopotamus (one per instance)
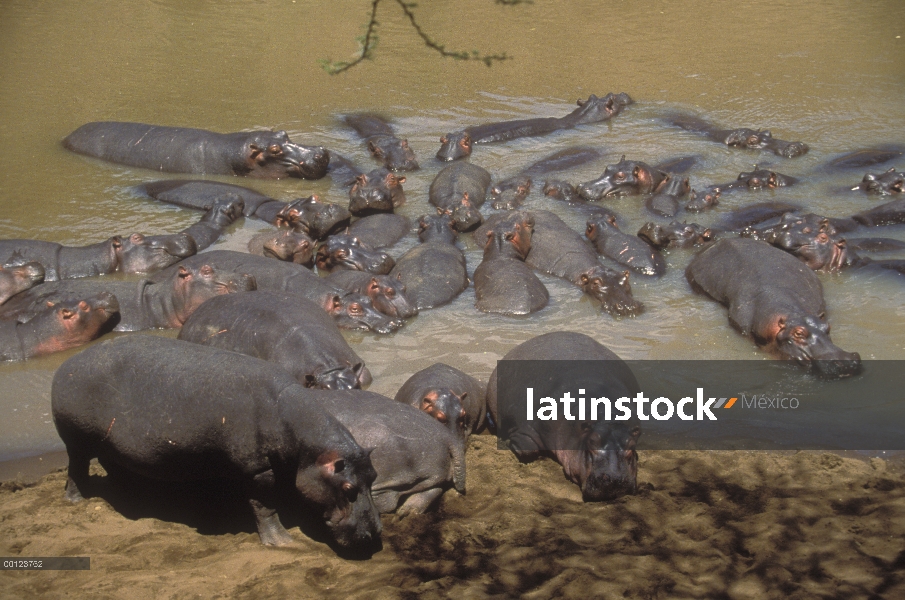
(625, 178)
(17, 276)
(381, 230)
(143, 304)
(592, 110)
(383, 143)
(282, 328)
(752, 214)
(628, 250)
(224, 212)
(674, 235)
(433, 272)
(351, 311)
(135, 253)
(415, 457)
(758, 179)
(284, 244)
(812, 238)
(376, 192)
(561, 190)
(451, 396)
(558, 250)
(258, 154)
(503, 283)
(345, 251)
(703, 200)
(387, 292)
(510, 193)
(890, 213)
(170, 410)
(307, 215)
(459, 190)
(867, 157)
(887, 184)
(58, 326)
(598, 455)
(738, 138)
(774, 298)
(666, 201)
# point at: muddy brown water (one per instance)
(827, 73)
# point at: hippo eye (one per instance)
(753, 140)
(275, 149)
(355, 309)
(137, 238)
(390, 293)
(806, 230)
(620, 175)
(822, 238)
(800, 334)
(340, 254)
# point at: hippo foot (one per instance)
(73, 494)
(270, 529)
(417, 504)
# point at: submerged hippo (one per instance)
(674, 235)
(459, 191)
(625, 178)
(376, 192)
(136, 253)
(628, 250)
(383, 143)
(283, 328)
(58, 326)
(439, 390)
(738, 138)
(259, 154)
(284, 244)
(210, 227)
(387, 292)
(598, 455)
(433, 272)
(381, 230)
(345, 251)
(774, 298)
(886, 184)
(666, 201)
(592, 110)
(18, 276)
(307, 215)
(415, 457)
(170, 410)
(351, 311)
(511, 192)
(142, 304)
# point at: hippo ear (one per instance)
(334, 305)
(781, 322)
(375, 149)
(444, 140)
(116, 242)
(67, 313)
(309, 381)
(373, 286)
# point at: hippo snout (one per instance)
(846, 365)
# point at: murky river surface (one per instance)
(831, 74)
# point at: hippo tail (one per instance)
(457, 454)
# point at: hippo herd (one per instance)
(261, 388)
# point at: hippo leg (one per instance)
(418, 503)
(385, 500)
(77, 481)
(270, 529)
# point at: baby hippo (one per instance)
(283, 328)
(284, 244)
(454, 398)
(387, 292)
(416, 458)
(344, 251)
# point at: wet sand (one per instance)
(702, 525)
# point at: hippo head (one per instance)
(789, 149)
(465, 215)
(446, 407)
(888, 183)
(596, 109)
(436, 228)
(345, 251)
(674, 235)
(806, 340)
(561, 190)
(763, 178)
(290, 246)
(510, 194)
(356, 311)
(376, 192)
(388, 295)
(606, 465)
(510, 236)
(625, 178)
(193, 286)
(313, 217)
(340, 482)
(226, 210)
(15, 278)
(748, 138)
(395, 153)
(138, 253)
(612, 289)
(601, 225)
(811, 238)
(345, 377)
(454, 146)
(274, 156)
(701, 201)
(73, 323)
